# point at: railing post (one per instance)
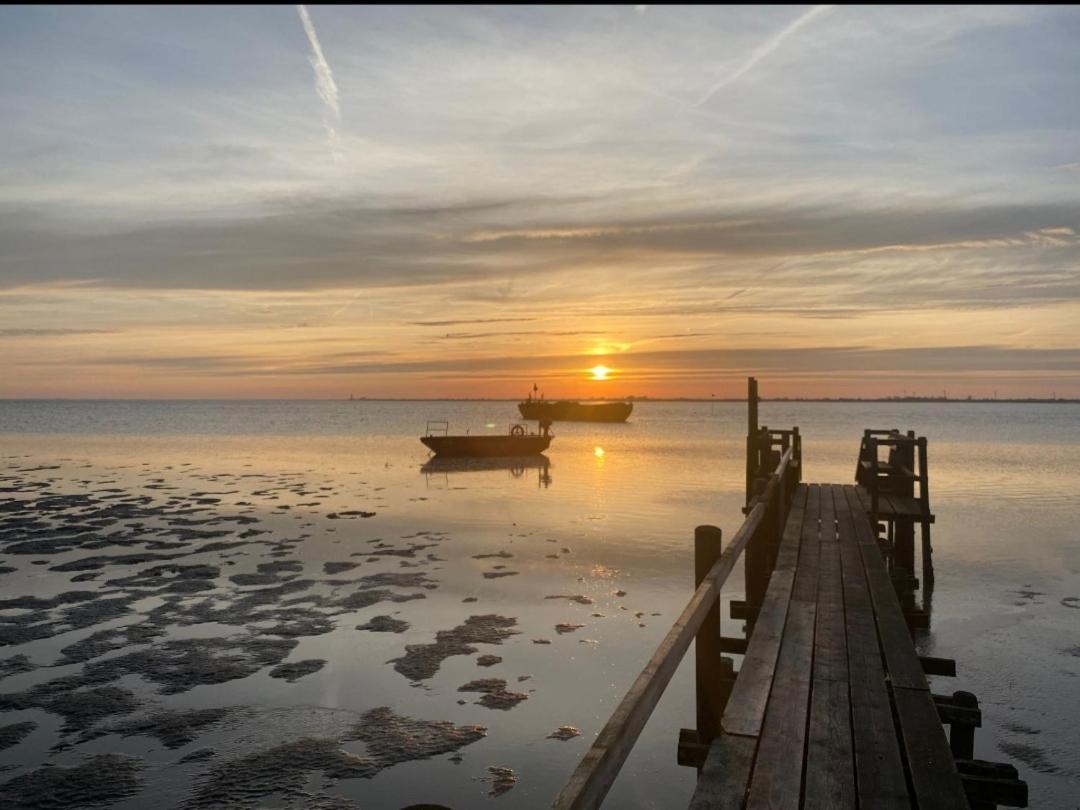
(755, 561)
(711, 692)
(796, 457)
(751, 436)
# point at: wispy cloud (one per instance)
(763, 50)
(324, 82)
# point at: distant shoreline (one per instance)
(885, 400)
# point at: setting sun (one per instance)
(600, 372)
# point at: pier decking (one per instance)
(831, 707)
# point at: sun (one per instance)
(600, 372)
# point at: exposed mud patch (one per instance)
(391, 738)
(384, 624)
(281, 770)
(488, 660)
(200, 755)
(564, 733)
(101, 780)
(567, 627)
(495, 694)
(15, 665)
(579, 598)
(80, 708)
(15, 733)
(332, 568)
(174, 729)
(422, 661)
(501, 779)
(298, 669)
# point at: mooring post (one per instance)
(751, 436)
(711, 692)
(924, 496)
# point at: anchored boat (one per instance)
(518, 442)
(536, 407)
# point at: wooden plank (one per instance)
(901, 661)
(807, 575)
(879, 769)
(934, 777)
(830, 765)
(745, 711)
(596, 771)
(722, 783)
(777, 778)
(788, 556)
(901, 506)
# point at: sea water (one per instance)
(605, 526)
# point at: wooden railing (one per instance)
(764, 523)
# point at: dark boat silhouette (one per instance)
(518, 442)
(573, 411)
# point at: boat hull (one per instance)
(486, 446)
(563, 411)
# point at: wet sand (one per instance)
(153, 587)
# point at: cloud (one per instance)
(824, 260)
(46, 332)
(470, 321)
(324, 81)
(685, 364)
(763, 50)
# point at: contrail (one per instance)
(324, 80)
(764, 50)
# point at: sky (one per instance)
(327, 201)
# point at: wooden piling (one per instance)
(711, 694)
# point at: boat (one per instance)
(536, 407)
(518, 442)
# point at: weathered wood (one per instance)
(992, 791)
(777, 776)
(711, 691)
(734, 645)
(962, 715)
(788, 556)
(945, 667)
(901, 661)
(723, 779)
(830, 763)
(806, 576)
(745, 710)
(830, 766)
(691, 751)
(934, 777)
(956, 710)
(880, 780)
(751, 435)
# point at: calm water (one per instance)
(613, 512)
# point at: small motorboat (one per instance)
(518, 442)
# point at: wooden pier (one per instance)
(831, 707)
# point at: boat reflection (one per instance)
(517, 466)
